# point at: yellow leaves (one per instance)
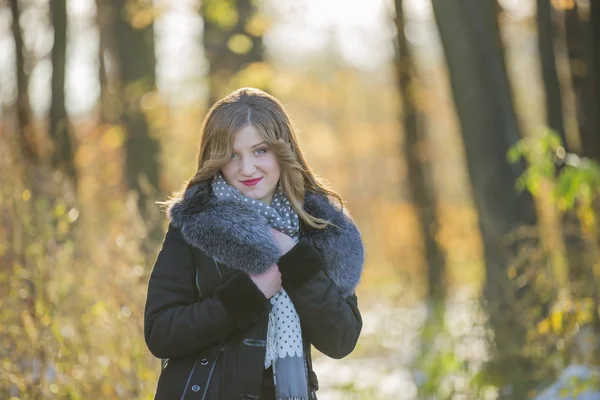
(63, 227)
(221, 13)
(62, 305)
(83, 156)
(149, 375)
(113, 137)
(108, 390)
(587, 218)
(257, 25)
(26, 195)
(543, 327)
(100, 311)
(125, 364)
(141, 13)
(45, 320)
(512, 272)
(142, 19)
(566, 318)
(60, 210)
(556, 321)
(64, 219)
(239, 44)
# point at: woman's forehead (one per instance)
(248, 137)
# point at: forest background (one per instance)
(463, 135)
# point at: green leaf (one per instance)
(221, 13)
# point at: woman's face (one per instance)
(253, 168)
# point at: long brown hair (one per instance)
(253, 106)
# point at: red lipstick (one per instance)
(251, 182)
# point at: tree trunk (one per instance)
(419, 170)
(584, 52)
(135, 51)
(60, 127)
(109, 100)
(473, 49)
(591, 138)
(578, 48)
(546, 32)
(26, 130)
(225, 59)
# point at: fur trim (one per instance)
(228, 231)
(340, 244)
(234, 234)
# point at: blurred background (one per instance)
(463, 134)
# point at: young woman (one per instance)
(259, 263)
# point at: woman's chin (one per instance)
(256, 193)
(252, 194)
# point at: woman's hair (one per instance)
(253, 106)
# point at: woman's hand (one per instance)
(284, 242)
(269, 282)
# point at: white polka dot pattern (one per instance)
(286, 326)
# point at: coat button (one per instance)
(195, 388)
(204, 361)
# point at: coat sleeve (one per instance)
(330, 320)
(177, 324)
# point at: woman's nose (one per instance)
(248, 167)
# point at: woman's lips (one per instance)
(251, 182)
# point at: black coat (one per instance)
(210, 320)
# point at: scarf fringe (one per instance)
(292, 398)
(271, 352)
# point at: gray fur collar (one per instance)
(234, 234)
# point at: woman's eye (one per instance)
(261, 151)
(233, 155)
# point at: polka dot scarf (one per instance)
(284, 335)
(279, 213)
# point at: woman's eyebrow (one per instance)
(256, 145)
